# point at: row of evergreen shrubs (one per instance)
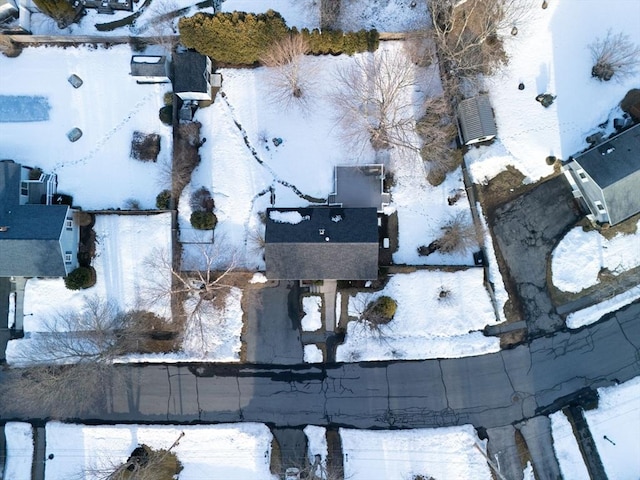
(239, 38)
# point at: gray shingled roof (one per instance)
(188, 71)
(329, 243)
(475, 118)
(149, 66)
(615, 167)
(358, 186)
(30, 246)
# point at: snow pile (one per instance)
(402, 454)
(547, 60)
(292, 218)
(11, 315)
(240, 451)
(439, 315)
(592, 314)
(316, 445)
(19, 450)
(618, 419)
(313, 354)
(258, 277)
(312, 319)
(593, 253)
(567, 450)
(97, 170)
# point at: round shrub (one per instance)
(166, 114)
(203, 220)
(80, 278)
(163, 200)
(380, 311)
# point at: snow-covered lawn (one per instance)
(96, 170)
(383, 15)
(593, 253)
(297, 13)
(618, 419)
(312, 320)
(19, 450)
(313, 354)
(567, 450)
(548, 60)
(316, 445)
(439, 315)
(592, 314)
(441, 453)
(239, 451)
(124, 244)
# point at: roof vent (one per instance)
(4, 228)
(321, 231)
(326, 239)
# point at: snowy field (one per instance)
(96, 170)
(618, 419)
(19, 450)
(441, 453)
(241, 451)
(548, 60)
(594, 253)
(426, 324)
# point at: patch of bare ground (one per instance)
(512, 339)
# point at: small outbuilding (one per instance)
(150, 68)
(607, 177)
(476, 122)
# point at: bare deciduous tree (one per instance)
(290, 80)
(459, 234)
(614, 54)
(374, 103)
(466, 32)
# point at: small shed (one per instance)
(150, 68)
(192, 76)
(476, 122)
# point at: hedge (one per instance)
(239, 38)
(163, 200)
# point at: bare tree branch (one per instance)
(614, 55)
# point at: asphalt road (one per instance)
(487, 391)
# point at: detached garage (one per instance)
(475, 120)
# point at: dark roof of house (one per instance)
(149, 66)
(615, 167)
(327, 243)
(30, 246)
(358, 186)
(614, 159)
(475, 118)
(188, 71)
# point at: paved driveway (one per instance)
(527, 229)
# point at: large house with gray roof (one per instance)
(38, 237)
(607, 177)
(322, 243)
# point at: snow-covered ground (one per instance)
(297, 13)
(383, 15)
(593, 253)
(239, 451)
(567, 450)
(441, 453)
(313, 354)
(97, 170)
(19, 450)
(592, 314)
(312, 320)
(426, 324)
(548, 60)
(316, 445)
(618, 419)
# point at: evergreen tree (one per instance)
(60, 10)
